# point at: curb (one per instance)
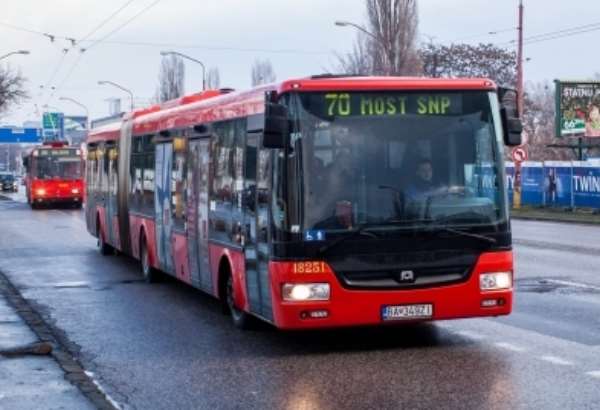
(540, 218)
(74, 371)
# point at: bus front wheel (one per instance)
(241, 319)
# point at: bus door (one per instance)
(257, 279)
(112, 213)
(162, 205)
(197, 213)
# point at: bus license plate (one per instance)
(407, 312)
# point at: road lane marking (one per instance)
(594, 373)
(511, 347)
(112, 401)
(556, 360)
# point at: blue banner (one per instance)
(586, 186)
(510, 181)
(532, 184)
(558, 184)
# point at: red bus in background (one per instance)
(54, 175)
(317, 202)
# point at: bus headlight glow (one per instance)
(495, 281)
(40, 192)
(298, 292)
(75, 191)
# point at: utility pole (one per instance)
(520, 88)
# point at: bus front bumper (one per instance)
(347, 307)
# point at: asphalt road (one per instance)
(168, 346)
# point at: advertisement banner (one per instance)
(558, 183)
(482, 180)
(510, 180)
(578, 108)
(586, 185)
(532, 183)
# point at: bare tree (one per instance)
(12, 88)
(262, 72)
(171, 79)
(465, 60)
(359, 61)
(213, 79)
(388, 44)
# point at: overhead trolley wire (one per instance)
(126, 23)
(553, 35)
(118, 28)
(106, 20)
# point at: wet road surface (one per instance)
(169, 346)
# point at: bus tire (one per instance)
(241, 319)
(104, 248)
(150, 274)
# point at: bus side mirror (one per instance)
(511, 123)
(276, 130)
(26, 162)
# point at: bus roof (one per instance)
(219, 105)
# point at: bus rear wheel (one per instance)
(241, 319)
(150, 274)
(104, 248)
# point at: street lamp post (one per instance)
(87, 112)
(373, 36)
(120, 88)
(23, 52)
(175, 53)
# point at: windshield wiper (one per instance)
(429, 225)
(466, 234)
(362, 229)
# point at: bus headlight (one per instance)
(495, 281)
(75, 191)
(298, 292)
(40, 192)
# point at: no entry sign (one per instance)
(519, 154)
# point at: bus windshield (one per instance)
(393, 160)
(58, 164)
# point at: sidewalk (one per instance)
(30, 377)
(580, 216)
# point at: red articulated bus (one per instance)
(319, 202)
(54, 174)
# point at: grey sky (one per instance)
(219, 31)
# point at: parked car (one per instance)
(8, 182)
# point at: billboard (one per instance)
(578, 108)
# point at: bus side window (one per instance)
(148, 175)
(178, 180)
(136, 173)
(223, 163)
